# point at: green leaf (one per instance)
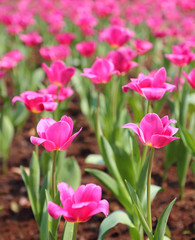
(31, 194)
(187, 139)
(161, 226)
(153, 191)
(34, 177)
(94, 159)
(141, 183)
(68, 170)
(112, 220)
(139, 211)
(193, 167)
(170, 157)
(68, 231)
(44, 222)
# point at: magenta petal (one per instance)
(58, 133)
(102, 207)
(36, 140)
(48, 145)
(49, 106)
(65, 192)
(16, 98)
(136, 129)
(153, 93)
(55, 211)
(159, 78)
(67, 144)
(132, 85)
(159, 141)
(43, 125)
(68, 120)
(169, 87)
(151, 124)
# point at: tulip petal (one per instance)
(65, 192)
(48, 145)
(136, 129)
(43, 125)
(102, 207)
(17, 98)
(49, 106)
(159, 141)
(68, 120)
(56, 211)
(58, 133)
(151, 124)
(153, 93)
(159, 78)
(67, 144)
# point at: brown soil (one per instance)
(16, 218)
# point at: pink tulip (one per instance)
(64, 92)
(54, 135)
(181, 55)
(80, 205)
(121, 58)
(150, 87)
(154, 131)
(65, 38)
(31, 39)
(142, 46)
(36, 102)
(86, 48)
(10, 59)
(190, 77)
(116, 36)
(53, 53)
(101, 71)
(59, 74)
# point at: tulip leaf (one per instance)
(68, 231)
(170, 157)
(161, 226)
(139, 211)
(68, 170)
(94, 159)
(44, 222)
(188, 140)
(153, 191)
(34, 177)
(141, 183)
(112, 220)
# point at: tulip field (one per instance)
(97, 120)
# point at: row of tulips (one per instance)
(104, 100)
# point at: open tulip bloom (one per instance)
(55, 135)
(78, 206)
(154, 131)
(36, 102)
(101, 71)
(150, 87)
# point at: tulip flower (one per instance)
(65, 38)
(181, 55)
(142, 46)
(86, 48)
(54, 135)
(59, 74)
(64, 92)
(154, 131)
(116, 36)
(101, 71)
(150, 87)
(31, 39)
(80, 205)
(36, 102)
(53, 53)
(121, 58)
(190, 77)
(10, 59)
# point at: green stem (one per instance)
(181, 192)
(97, 113)
(57, 100)
(178, 83)
(114, 101)
(54, 174)
(148, 188)
(35, 126)
(4, 166)
(75, 231)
